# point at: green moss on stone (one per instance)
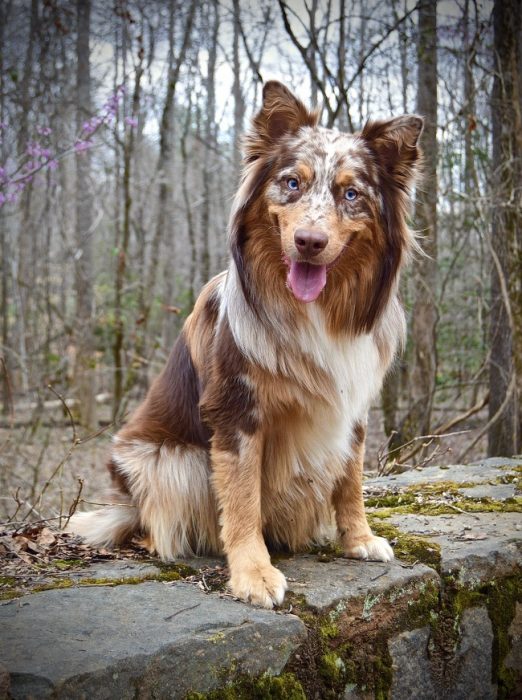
(265, 687)
(499, 597)
(328, 629)
(393, 500)
(489, 505)
(421, 610)
(425, 500)
(171, 568)
(348, 644)
(502, 597)
(327, 551)
(332, 668)
(56, 583)
(407, 547)
(65, 564)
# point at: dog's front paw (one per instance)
(369, 547)
(259, 584)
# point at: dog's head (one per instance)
(331, 205)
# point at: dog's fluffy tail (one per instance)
(106, 527)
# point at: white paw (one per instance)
(260, 584)
(372, 548)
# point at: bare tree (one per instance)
(4, 252)
(209, 139)
(85, 357)
(237, 91)
(505, 369)
(424, 315)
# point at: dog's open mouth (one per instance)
(305, 280)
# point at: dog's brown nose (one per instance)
(310, 243)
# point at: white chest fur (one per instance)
(311, 449)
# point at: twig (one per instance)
(18, 502)
(73, 506)
(49, 480)
(94, 503)
(22, 523)
(433, 436)
(464, 512)
(427, 441)
(463, 416)
(178, 612)
(74, 444)
(97, 433)
(67, 409)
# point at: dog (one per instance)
(253, 435)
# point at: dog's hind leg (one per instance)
(171, 486)
(237, 482)
(170, 501)
(356, 536)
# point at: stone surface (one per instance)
(514, 657)
(324, 584)
(475, 547)
(146, 640)
(158, 640)
(412, 677)
(413, 673)
(496, 492)
(474, 658)
(117, 571)
(483, 472)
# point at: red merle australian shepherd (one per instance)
(253, 435)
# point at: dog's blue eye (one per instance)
(293, 184)
(350, 194)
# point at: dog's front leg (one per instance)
(356, 536)
(237, 482)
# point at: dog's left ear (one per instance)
(281, 114)
(395, 144)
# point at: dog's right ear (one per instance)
(281, 114)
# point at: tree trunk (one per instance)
(239, 102)
(120, 387)
(4, 249)
(505, 370)
(165, 220)
(390, 392)
(25, 243)
(424, 319)
(210, 142)
(85, 383)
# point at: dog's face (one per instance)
(321, 197)
(335, 202)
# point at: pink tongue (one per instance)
(306, 281)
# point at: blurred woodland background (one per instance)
(120, 127)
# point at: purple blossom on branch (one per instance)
(81, 146)
(90, 126)
(14, 180)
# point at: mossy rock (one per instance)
(265, 687)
